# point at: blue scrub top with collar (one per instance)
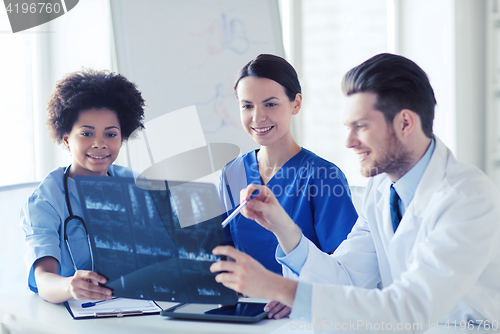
(42, 218)
(313, 191)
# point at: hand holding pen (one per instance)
(268, 212)
(238, 208)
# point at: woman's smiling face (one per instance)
(266, 111)
(94, 141)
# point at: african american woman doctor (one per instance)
(91, 113)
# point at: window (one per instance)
(337, 35)
(16, 105)
(31, 62)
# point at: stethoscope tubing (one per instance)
(70, 218)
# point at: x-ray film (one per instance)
(142, 247)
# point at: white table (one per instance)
(25, 312)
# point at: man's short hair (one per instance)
(399, 84)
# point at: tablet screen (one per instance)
(240, 309)
(241, 312)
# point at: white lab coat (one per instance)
(442, 264)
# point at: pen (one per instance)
(90, 304)
(238, 208)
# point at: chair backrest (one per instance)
(13, 273)
(357, 194)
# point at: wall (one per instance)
(337, 35)
(447, 39)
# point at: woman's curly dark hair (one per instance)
(89, 89)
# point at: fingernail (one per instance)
(266, 309)
(277, 316)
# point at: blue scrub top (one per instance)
(313, 191)
(42, 218)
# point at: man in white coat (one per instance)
(426, 246)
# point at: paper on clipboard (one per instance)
(114, 308)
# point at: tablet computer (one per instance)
(241, 312)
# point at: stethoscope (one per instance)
(70, 218)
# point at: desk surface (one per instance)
(28, 310)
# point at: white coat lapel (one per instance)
(383, 206)
(411, 222)
(431, 180)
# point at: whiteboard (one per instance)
(187, 52)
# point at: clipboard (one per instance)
(119, 307)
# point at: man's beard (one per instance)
(396, 160)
